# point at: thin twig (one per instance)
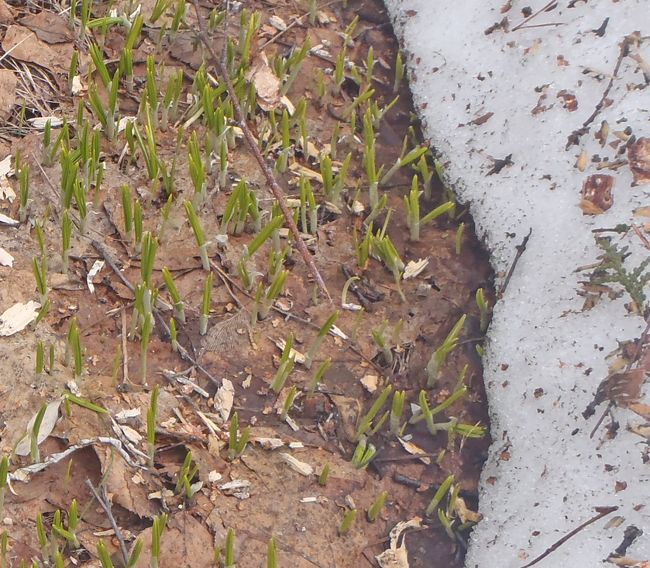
(547, 6)
(602, 512)
(104, 504)
(520, 250)
(272, 183)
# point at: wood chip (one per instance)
(296, 465)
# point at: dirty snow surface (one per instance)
(487, 89)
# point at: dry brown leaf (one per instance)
(8, 82)
(396, 556)
(186, 543)
(267, 84)
(49, 27)
(638, 154)
(23, 44)
(597, 194)
(6, 15)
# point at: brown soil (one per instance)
(245, 354)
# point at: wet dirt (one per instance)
(301, 514)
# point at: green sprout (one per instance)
(40, 358)
(42, 537)
(137, 225)
(376, 507)
(396, 412)
(145, 334)
(459, 238)
(157, 529)
(322, 333)
(271, 293)
(173, 335)
(73, 350)
(23, 180)
(179, 310)
(439, 356)
(399, 72)
(272, 554)
(69, 534)
(366, 423)
(199, 235)
(152, 413)
(404, 160)
(452, 427)
(288, 403)
(363, 454)
(205, 307)
(185, 476)
(39, 268)
(319, 374)
(379, 337)
(440, 494)
(286, 366)
(104, 555)
(483, 308)
(4, 477)
(127, 211)
(294, 63)
(230, 549)
(68, 397)
(33, 436)
(382, 247)
(412, 203)
(197, 171)
(324, 475)
(237, 442)
(348, 521)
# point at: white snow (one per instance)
(540, 337)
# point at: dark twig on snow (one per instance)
(272, 183)
(602, 512)
(520, 251)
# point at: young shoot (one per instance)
(205, 306)
(177, 301)
(322, 333)
(396, 412)
(412, 203)
(230, 549)
(319, 374)
(379, 337)
(347, 522)
(286, 366)
(237, 442)
(157, 529)
(152, 413)
(199, 235)
(404, 160)
(145, 335)
(272, 554)
(483, 308)
(399, 72)
(363, 454)
(39, 268)
(33, 435)
(4, 477)
(459, 238)
(443, 490)
(288, 403)
(366, 423)
(439, 356)
(324, 475)
(376, 507)
(23, 180)
(382, 247)
(40, 358)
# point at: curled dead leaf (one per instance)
(597, 194)
(638, 155)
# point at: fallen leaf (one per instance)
(267, 84)
(8, 83)
(414, 450)
(6, 15)
(48, 26)
(414, 268)
(6, 259)
(224, 398)
(396, 556)
(18, 317)
(638, 154)
(47, 425)
(21, 43)
(96, 268)
(597, 194)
